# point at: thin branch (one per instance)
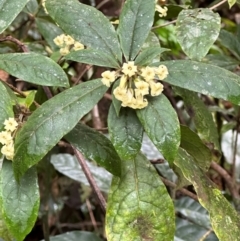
(90, 178)
(164, 25)
(102, 3)
(206, 235)
(218, 4)
(96, 117)
(16, 41)
(91, 215)
(48, 92)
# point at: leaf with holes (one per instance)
(139, 206)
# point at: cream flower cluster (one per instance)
(162, 10)
(135, 83)
(6, 138)
(66, 43)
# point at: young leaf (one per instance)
(95, 146)
(126, 132)
(231, 3)
(9, 11)
(191, 142)
(135, 23)
(5, 105)
(197, 30)
(224, 219)
(139, 207)
(87, 25)
(94, 57)
(34, 68)
(19, 201)
(161, 124)
(147, 55)
(50, 122)
(202, 118)
(204, 78)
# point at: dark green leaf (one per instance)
(139, 207)
(95, 146)
(4, 232)
(9, 9)
(50, 122)
(147, 55)
(224, 218)
(69, 166)
(116, 103)
(204, 78)
(19, 201)
(49, 31)
(34, 68)
(90, 26)
(160, 122)
(94, 57)
(135, 23)
(197, 30)
(126, 132)
(231, 42)
(5, 105)
(76, 236)
(31, 7)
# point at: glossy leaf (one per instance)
(19, 201)
(69, 166)
(94, 57)
(204, 78)
(116, 103)
(48, 30)
(90, 27)
(34, 68)
(147, 55)
(95, 146)
(9, 11)
(76, 236)
(50, 122)
(160, 122)
(126, 132)
(6, 105)
(224, 218)
(135, 23)
(197, 30)
(139, 207)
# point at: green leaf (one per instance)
(76, 236)
(204, 78)
(135, 23)
(231, 3)
(5, 105)
(19, 201)
(231, 42)
(34, 68)
(197, 30)
(4, 232)
(95, 146)
(126, 132)
(50, 122)
(69, 166)
(9, 9)
(224, 218)
(191, 142)
(48, 30)
(90, 27)
(31, 7)
(202, 118)
(94, 57)
(116, 103)
(139, 207)
(147, 55)
(161, 124)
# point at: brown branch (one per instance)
(90, 178)
(16, 41)
(96, 118)
(164, 25)
(217, 5)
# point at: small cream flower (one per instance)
(161, 72)
(108, 77)
(162, 11)
(156, 88)
(64, 51)
(59, 40)
(5, 137)
(10, 124)
(120, 93)
(129, 68)
(78, 46)
(68, 40)
(8, 151)
(142, 87)
(128, 97)
(148, 73)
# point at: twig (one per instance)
(87, 67)
(182, 190)
(102, 3)
(91, 215)
(108, 96)
(218, 4)
(16, 41)
(96, 117)
(90, 178)
(164, 25)
(47, 92)
(206, 235)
